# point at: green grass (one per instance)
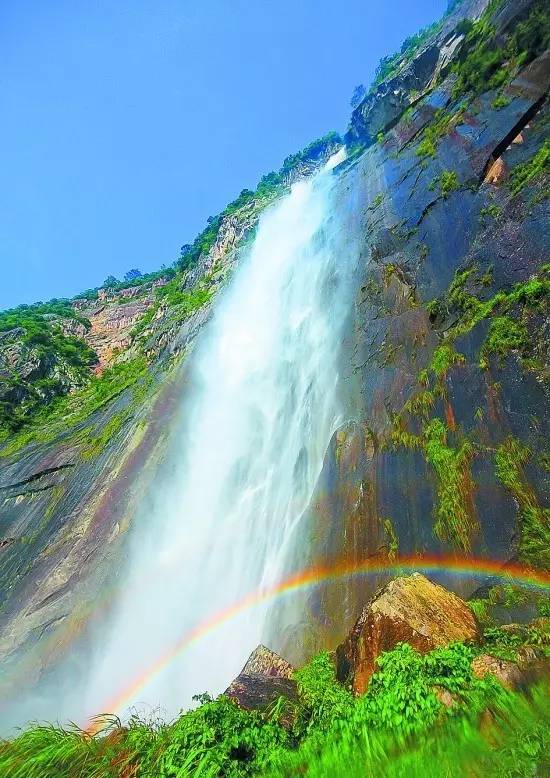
(66, 412)
(441, 124)
(523, 299)
(181, 302)
(447, 182)
(534, 544)
(501, 101)
(398, 728)
(443, 358)
(527, 172)
(59, 361)
(413, 429)
(505, 335)
(455, 521)
(486, 62)
(491, 210)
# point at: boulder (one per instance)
(410, 610)
(263, 661)
(265, 677)
(506, 673)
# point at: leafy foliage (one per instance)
(66, 412)
(389, 66)
(269, 186)
(525, 173)
(485, 63)
(448, 182)
(534, 545)
(57, 359)
(441, 124)
(395, 729)
(501, 101)
(454, 518)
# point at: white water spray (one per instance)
(263, 408)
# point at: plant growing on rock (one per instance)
(534, 545)
(527, 172)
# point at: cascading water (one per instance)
(263, 407)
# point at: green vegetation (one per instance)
(269, 187)
(399, 727)
(488, 610)
(534, 544)
(454, 512)
(181, 303)
(437, 129)
(443, 358)
(501, 101)
(55, 360)
(448, 182)
(130, 280)
(392, 541)
(455, 521)
(48, 409)
(64, 413)
(507, 643)
(389, 66)
(480, 609)
(485, 63)
(492, 210)
(508, 310)
(505, 335)
(528, 171)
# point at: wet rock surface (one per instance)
(265, 677)
(410, 610)
(66, 508)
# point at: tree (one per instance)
(109, 282)
(132, 274)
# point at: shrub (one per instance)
(523, 174)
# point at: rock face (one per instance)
(265, 677)
(422, 386)
(263, 661)
(408, 610)
(506, 673)
(383, 491)
(112, 322)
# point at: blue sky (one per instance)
(126, 123)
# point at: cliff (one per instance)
(445, 451)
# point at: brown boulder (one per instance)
(266, 662)
(528, 668)
(410, 610)
(265, 677)
(506, 673)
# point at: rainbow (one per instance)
(511, 573)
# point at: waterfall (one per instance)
(262, 407)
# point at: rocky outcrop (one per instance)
(112, 322)
(383, 106)
(507, 673)
(380, 109)
(434, 227)
(427, 255)
(408, 610)
(265, 677)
